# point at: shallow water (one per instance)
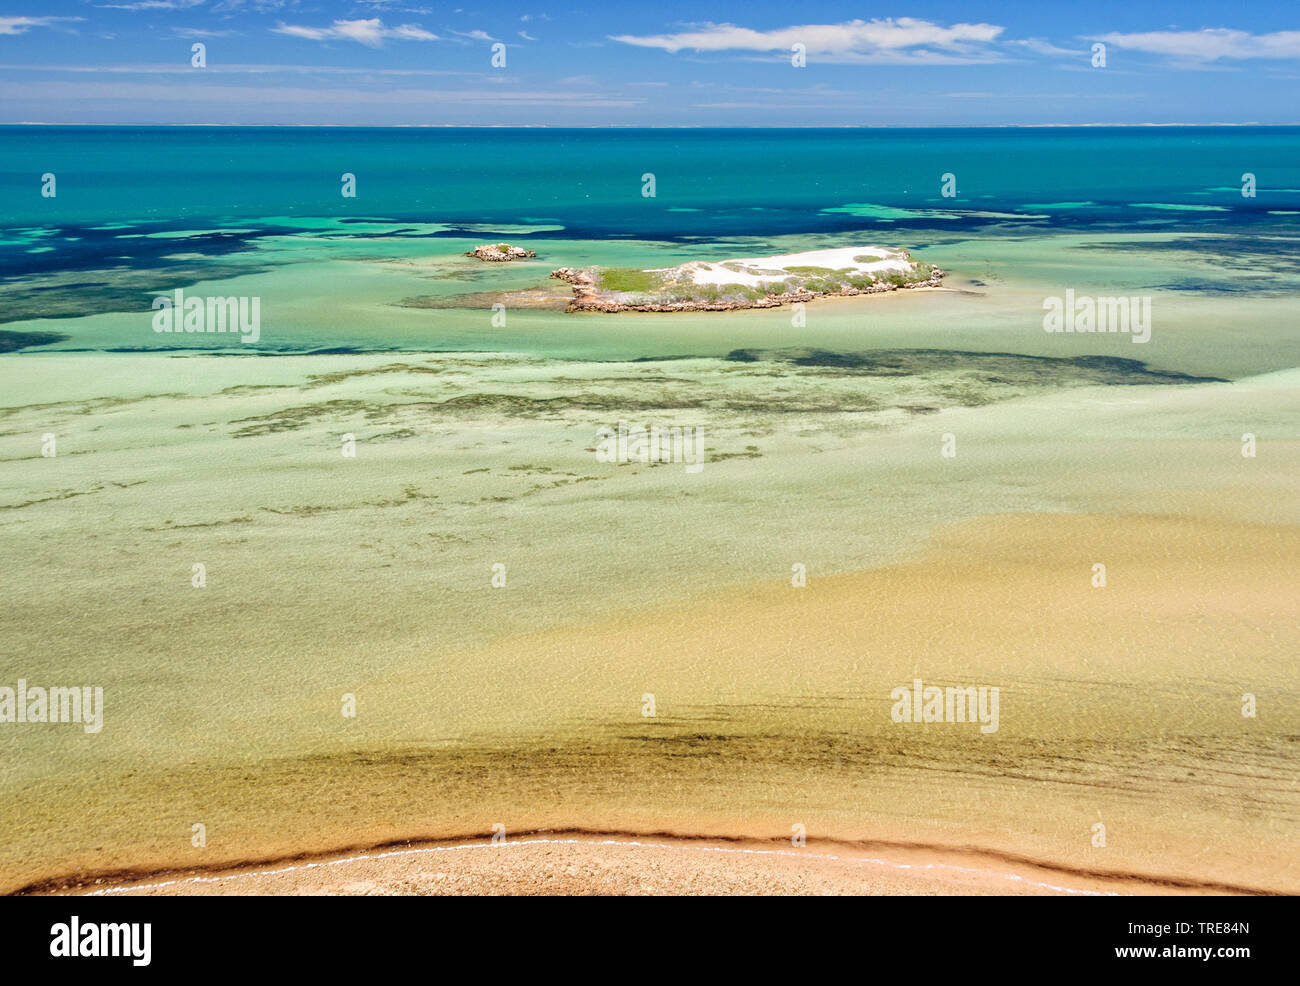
(372, 576)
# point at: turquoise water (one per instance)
(140, 212)
(740, 181)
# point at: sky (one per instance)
(665, 63)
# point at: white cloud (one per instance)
(369, 31)
(199, 32)
(890, 40)
(526, 36)
(152, 5)
(20, 25)
(1040, 47)
(261, 6)
(476, 35)
(1210, 44)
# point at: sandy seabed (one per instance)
(524, 706)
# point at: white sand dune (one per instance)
(755, 271)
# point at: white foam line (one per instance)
(602, 842)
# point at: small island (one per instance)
(498, 253)
(760, 282)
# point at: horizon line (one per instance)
(625, 126)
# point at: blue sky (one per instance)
(384, 62)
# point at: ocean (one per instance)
(709, 183)
(140, 212)
(363, 579)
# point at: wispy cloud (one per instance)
(199, 32)
(284, 96)
(369, 31)
(390, 7)
(184, 69)
(1038, 46)
(152, 5)
(20, 25)
(1210, 44)
(893, 41)
(261, 6)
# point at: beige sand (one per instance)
(574, 864)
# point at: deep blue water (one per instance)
(739, 181)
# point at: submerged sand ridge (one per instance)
(1157, 751)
